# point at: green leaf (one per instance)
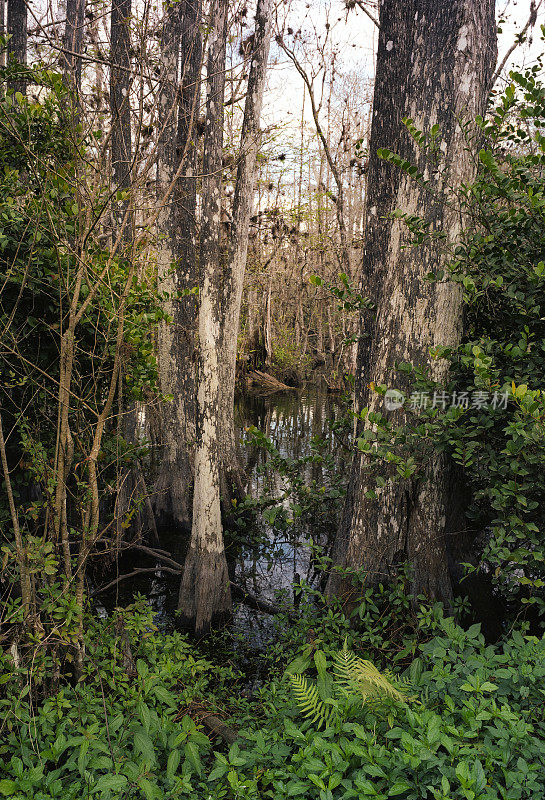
(142, 668)
(192, 754)
(144, 744)
(298, 665)
(297, 788)
(399, 787)
(321, 663)
(151, 790)
(7, 788)
(110, 783)
(165, 696)
(173, 763)
(218, 772)
(144, 714)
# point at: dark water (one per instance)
(309, 457)
(271, 551)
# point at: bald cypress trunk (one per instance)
(129, 487)
(205, 596)
(177, 260)
(434, 64)
(73, 43)
(238, 248)
(120, 107)
(17, 44)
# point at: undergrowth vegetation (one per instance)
(454, 718)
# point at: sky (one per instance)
(355, 38)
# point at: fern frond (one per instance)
(309, 702)
(356, 675)
(356, 680)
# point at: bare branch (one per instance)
(350, 5)
(519, 39)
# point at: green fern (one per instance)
(355, 675)
(309, 702)
(354, 683)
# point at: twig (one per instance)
(518, 39)
(137, 571)
(365, 10)
(158, 554)
(175, 568)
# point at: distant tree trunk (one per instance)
(120, 106)
(17, 45)
(205, 595)
(177, 263)
(434, 64)
(129, 484)
(251, 325)
(238, 249)
(73, 43)
(319, 330)
(3, 30)
(267, 326)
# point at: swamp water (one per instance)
(293, 449)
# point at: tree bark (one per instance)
(120, 107)
(232, 485)
(17, 44)
(434, 65)
(177, 263)
(73, 43)
(130, 482)
(205, 596)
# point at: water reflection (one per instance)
(307, 458)
(304, 456)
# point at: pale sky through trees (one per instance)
(354, 38)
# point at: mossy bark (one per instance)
(434, 65)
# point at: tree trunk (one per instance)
(238, 249)
(434, 64)
(120, 107)
(73, 43)
(177, 264)
(129, 481)
(17, 44)
(205, 596)
(267, 326)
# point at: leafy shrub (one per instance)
(474, 729)
(125, 730)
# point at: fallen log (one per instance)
(254, 602)
(217, 726)
(267, 382)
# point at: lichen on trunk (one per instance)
(205, 594)
(434, 65)
(177, 260)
